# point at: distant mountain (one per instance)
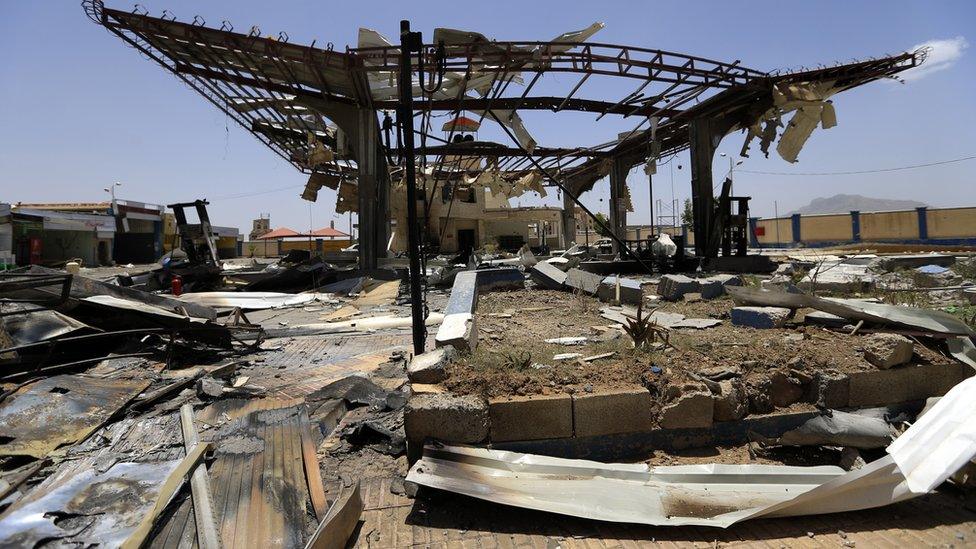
(844, 203)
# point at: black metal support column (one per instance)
(618, 211)
(366, 187)
(702, 140)
(409, 43)
(569, 220)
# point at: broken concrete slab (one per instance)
(567, 341)
(608, 412)
(672, 286)
(459, 329)
(784, 390)
(714, 286)
(531, 417)
(689, 410)
(430, 367)
(582, 281)
(760, 317)
(731, 402)
(446, 417)
(830, 389)
(910, 261)
(888, 350)
(910, 382)
(548, 276)
(838, 277)
(631, 290)
(502, 278)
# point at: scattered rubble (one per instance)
(888, 350)
(760, 317)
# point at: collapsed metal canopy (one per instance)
(307, 104)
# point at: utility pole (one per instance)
(650, 201)
(411, 42)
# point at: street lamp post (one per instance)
(111, 190)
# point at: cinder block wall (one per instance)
(948, 226)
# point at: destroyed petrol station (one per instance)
(471, 373)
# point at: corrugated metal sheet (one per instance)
(60, 410)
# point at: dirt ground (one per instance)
(512, 357)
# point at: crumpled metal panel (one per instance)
(28, 328)
(710, 495)
(60, 410)
(87, 508)
(252, 301)
(938, 322)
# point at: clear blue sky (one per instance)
(79, 110)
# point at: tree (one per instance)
(688, 215)
(603, 225)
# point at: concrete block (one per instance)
(838, 277)
(582, 281)
(830, 389)
(458, 328)
(530, 417)
(731, 402)
(887, 350)
(430, 367)
(631, 291)
(690, 410)
(784, 389)
(548, 276)
(714, 286)
(447, 417)
(611, 412)
(672, 286)
(760, 317)
(502, 278)
(910, 382)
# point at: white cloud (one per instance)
(942, 54)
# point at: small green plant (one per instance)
(518, 360)
(643, 331)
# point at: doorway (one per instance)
(465, 240)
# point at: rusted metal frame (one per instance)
(439, 162)
(169, 29)
(586, 59)
(240, 89)
(247, 81)
(498, 91)
(573, 91)
(525, 92)
(213, 60)
(548, 103)
(603, 72)
(502, 150)
(660, 96)
(253, 66)
(632, 95)
(530, 49)
(290, 73)
(193, 83)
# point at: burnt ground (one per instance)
(514, 325)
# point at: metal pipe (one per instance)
(410, 42)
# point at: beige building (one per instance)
(476, 218)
